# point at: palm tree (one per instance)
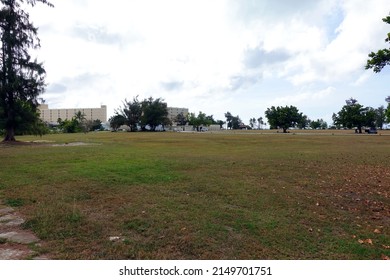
(260, 120)
(80, 117)
(81, 120)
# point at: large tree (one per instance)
(381, 58)
(117, 121)
(132, 112)
(354, 114)
(154, 113)
(283, 117)
(21, 78)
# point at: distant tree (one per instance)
(117, 121)
(252, 122)
(236, 122)
(210, 120)
(132, 112)
(154, 113)
(94, 125)
(283, 117)
(381, 58)
(260, 122)
(181, 119)
(220, 123)
(79, 116)
(318, 124)
(69, 126)
(354, 114)
(21, 78)
(380, 116)
(200, 120)
(195, 121)
(304, 122)
(336, 123)
(229, 119)
(82, 121)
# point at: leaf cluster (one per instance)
(284, 117)
(378, 60)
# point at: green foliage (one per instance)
(236, 122)
(229, 120)
(220, 123)
(96, 125)
(79, 124)
(181, 119)
(387, 113)
(261, 122)
(318, 124)
(154, 113)
(380, 116)
(21, 78)
(91, 125)
(150, 112)
(252, 122)
(210, 120)
(69, 126)
(131, 113)
(117, 121)
(200, 120)
(304, 122)
(284, 117)
(354, 114)
(381, 58)
(233, 122)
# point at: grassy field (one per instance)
(203, 195)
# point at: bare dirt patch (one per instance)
(73, 144)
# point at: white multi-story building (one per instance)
(52, 115)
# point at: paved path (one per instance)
(16, 243)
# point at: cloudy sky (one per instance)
(214, 56)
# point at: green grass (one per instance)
(203, 195)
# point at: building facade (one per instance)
(52, 115)
(174, 111)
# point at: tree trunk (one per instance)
(284, 130)
(9, 135)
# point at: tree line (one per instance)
(351, 115)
